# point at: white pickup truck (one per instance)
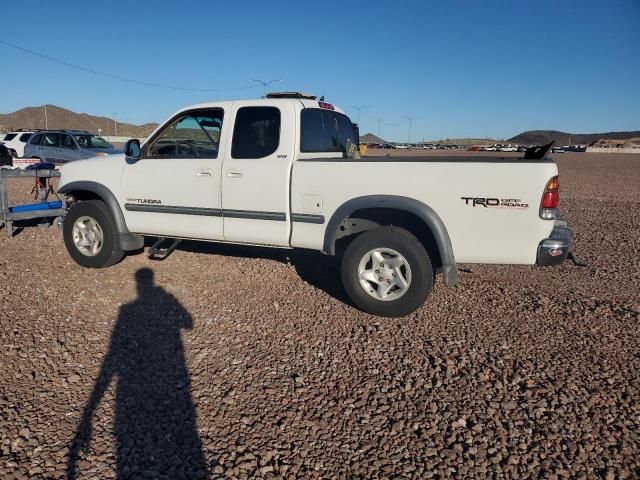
(283, 171)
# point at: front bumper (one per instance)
(554, 250)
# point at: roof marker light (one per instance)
(326, 105)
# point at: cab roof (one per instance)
(305, 102)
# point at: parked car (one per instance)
(269, 172)
(508, 148)
(15, 141)
(62, 146)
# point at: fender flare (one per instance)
(128, 240)
(419, 209)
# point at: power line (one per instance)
(116, 77)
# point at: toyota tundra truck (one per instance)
(284, 171)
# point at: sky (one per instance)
(460, 68)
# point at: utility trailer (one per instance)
(42, 209)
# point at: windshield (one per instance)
(92, 141)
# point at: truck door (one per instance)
(255, 173)
(173, 189)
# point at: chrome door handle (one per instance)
(203, 173)
(234, 173)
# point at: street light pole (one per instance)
(355, 107)
(265, 85)
(115, 123)
(410, 122)
(46, 120)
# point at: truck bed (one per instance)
(448, 184)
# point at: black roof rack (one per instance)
(291, 95)
(65, 130)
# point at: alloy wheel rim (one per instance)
(384, 274)
(88, 236)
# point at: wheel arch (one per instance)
(431, 220)
(84, 190)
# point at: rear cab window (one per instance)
(325, 131)
(256, 133)
(9, 136)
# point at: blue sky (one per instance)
(463, 68)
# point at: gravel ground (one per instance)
(235, 362)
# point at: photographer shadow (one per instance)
(155, 423)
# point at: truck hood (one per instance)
(106, 170)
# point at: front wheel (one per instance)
(91, 236)
(387, 271)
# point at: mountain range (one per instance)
(61, 118)
(532, 137)
(540, 137)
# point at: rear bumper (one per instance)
(554, 250)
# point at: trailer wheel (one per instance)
(90, 235)
(387, 271)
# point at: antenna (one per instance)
(265, 84)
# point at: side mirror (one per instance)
(132, 148)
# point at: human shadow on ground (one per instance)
(155, 425)
(317, 269)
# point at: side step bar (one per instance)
(158, 252)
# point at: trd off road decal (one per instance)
(486, 202)
(145, 201)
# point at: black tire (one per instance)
(403, 242)
(110, 253)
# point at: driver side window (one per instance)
(193, 134)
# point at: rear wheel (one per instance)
(90, 235)
(387, 271)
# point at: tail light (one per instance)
(550, 199)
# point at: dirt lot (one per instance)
(247, 363)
